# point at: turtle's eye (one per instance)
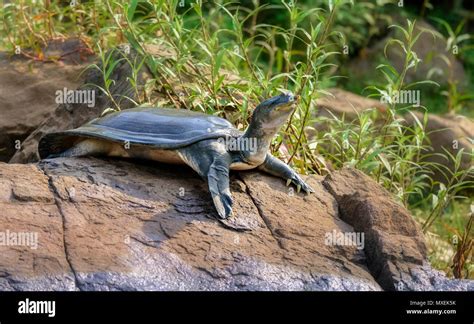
(291, 97)
(278, 101)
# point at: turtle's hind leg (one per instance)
(87, 147)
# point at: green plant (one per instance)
(28, 26)
(455, 43)
(464, 247)
(106, 68)
(458, 182)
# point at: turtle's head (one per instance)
(272, 113)
(266, 120)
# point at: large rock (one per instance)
(115, 225)
(28, 91)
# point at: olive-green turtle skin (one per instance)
(209, 145)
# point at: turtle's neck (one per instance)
(263, 138)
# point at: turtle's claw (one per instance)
(223, 203)
(300, 184)
(227, 201)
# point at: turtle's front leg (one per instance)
(275, 167)
(218, 182)
(212, 163)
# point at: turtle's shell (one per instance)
(160, 128)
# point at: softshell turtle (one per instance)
(210, 145)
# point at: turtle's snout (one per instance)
(292, 98)
(287, 102)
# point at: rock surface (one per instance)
(28, 93)
(116, 225)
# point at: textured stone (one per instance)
(28, 91)
(116, 225)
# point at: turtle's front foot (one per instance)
(218, 181)
(299, 183)
(223, 203)
(276, 167)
